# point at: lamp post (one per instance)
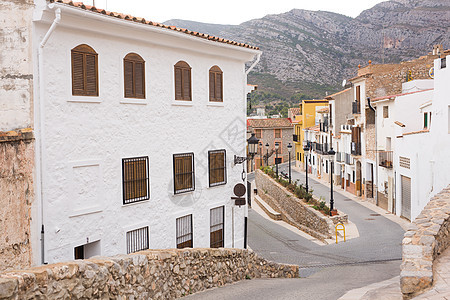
(277, 145)
(331, 153)
(289, 147)
(267, 154)
(252, 148)
(305, 157)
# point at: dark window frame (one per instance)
(134, 59)
(86, 51)
(220, 243)
(138, 239)
(125, 192)
(224, 182)
(175, 174)
(179, 235)
(215, 77)
(185, 70)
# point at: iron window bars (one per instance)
(217, 167)
(183, 172)
(184, 232)
(217, 216)
(135, 179)
(137, 240)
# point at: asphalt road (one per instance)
(326, 272)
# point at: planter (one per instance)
(334, 212)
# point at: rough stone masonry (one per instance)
(151, 274)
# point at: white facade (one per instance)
(84, 139)
(422, 154)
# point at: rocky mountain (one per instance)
(311, 52)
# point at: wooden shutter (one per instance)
(77, 73)
(178, 84)
(358, 93)
(218, 87)
(217, 167)
(182, 81)
(91, 75)
(183, 173)
(215, 84)
(84, 71)
(128, 78)
(186, 84)
(135, 179)
(212, 85)
(139, 80)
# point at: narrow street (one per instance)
(326, 271)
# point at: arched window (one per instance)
(215, 84)
(134, 76)
(183, 81)
(84, 71)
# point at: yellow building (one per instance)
(302, 118)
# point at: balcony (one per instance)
(323, 126)
(356, 108)
(295, 137)
(340, 156)
(348, 159)
(356, 148)
(320, 148)
(385, 159)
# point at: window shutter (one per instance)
(212, 85)
(218, 87)
(128, 77)
(186, 84)
(178, 82)
(77, 73)
(139, 80)
(91, 75)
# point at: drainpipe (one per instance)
(254, 64)
(39, 128)
(376, 148)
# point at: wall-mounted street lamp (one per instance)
(331, 154)
(289, 147)
(252, 150)
(305, 158)
(277, 145)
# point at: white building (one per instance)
(137, 124)
(421, 157)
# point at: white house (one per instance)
(421, 156)
(137, 124)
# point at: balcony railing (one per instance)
(321, 148)
(385, 159)
(340, 156)
(348, 159)
(323, 126)
(356, 148)
(356, 108)
(295, 137)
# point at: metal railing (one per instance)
(356, 148)
(340, 156)
(320, 148)
(385, 159)
(348, 159)
(356, 108)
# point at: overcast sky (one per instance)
(228, 11)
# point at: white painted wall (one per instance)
(87, 137)
(427, 151)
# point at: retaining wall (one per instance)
(427, 237)
(293, 210)
(151, 274)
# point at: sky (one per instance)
(226, 12)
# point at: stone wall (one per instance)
(292, 209)
(428, 236)
(150, 274)
(16, 198)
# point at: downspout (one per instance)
(376, 148)
(258, 57)
(39, 128)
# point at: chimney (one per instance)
(437, 49)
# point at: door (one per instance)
(406, 197)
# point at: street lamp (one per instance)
(277, 145)
(305, 157)
(267, 154)
(331, 154)
(252, 150)
(289, 147)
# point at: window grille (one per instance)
(84, 71)
(137, 240)
(443, 62)
(183, 169)
(215, 84)
(135, 179)
(217, 227)
(184, 232)
(217, 167)
(134, 76)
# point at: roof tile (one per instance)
(269, 123)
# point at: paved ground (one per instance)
(327, 272)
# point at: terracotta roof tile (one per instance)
(323, 110)
(399, 124)
(313, 128)
(142, 20)
(335, 94)
(398, 95)
(415, 132)
(269, 123)
(295, 111)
